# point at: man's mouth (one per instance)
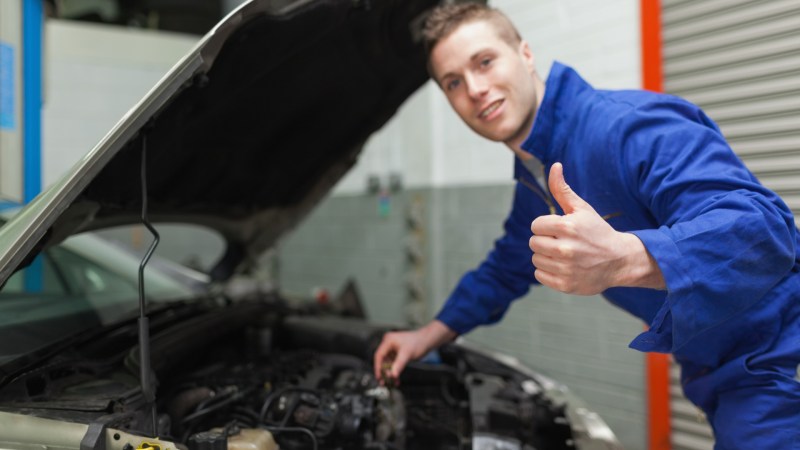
(490, 109)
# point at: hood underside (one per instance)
(252, 128)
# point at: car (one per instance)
(244, 136)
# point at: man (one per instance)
(660, 217)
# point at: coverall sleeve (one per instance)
(483, 295)
(724, 240)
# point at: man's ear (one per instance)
(527, 55)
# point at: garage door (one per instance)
(740, 61)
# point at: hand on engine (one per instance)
(399, 347)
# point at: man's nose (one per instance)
(476, 86)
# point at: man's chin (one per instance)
(516, 138)
(493, 135)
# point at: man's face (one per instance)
(488, 81)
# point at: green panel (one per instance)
(350, 237)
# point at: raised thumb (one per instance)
(564, 195)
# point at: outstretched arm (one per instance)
(482, 295)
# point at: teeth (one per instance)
(490, 109)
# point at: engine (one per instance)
(303, 398)
(314, 389)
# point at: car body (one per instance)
(239, 137)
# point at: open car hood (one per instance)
(247, 132)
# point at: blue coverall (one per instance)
(726, 245)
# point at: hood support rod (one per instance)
(145, 372)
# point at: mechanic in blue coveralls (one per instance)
(659, 216)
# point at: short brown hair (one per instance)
(445, 19)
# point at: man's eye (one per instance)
(452, 84)
(486, 62)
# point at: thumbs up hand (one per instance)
(580, 253)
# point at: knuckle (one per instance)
(566, 251)
(567, 228)
(536, 226)
(568, 287)
(537, 275)
(559, 285)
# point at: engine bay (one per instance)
(231, 379)
(309, 382)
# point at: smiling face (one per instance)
(489, 81)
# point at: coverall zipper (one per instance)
(540, 192)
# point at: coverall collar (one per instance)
(542, 142)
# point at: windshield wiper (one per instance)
(18, 366)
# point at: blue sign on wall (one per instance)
(7, 70)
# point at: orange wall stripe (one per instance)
(652, 71)
(659, 424)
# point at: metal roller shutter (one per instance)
(740, 61)
(690, 431)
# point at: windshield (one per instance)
(83, 283)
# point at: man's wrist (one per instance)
(437, 333)
(640, 268)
